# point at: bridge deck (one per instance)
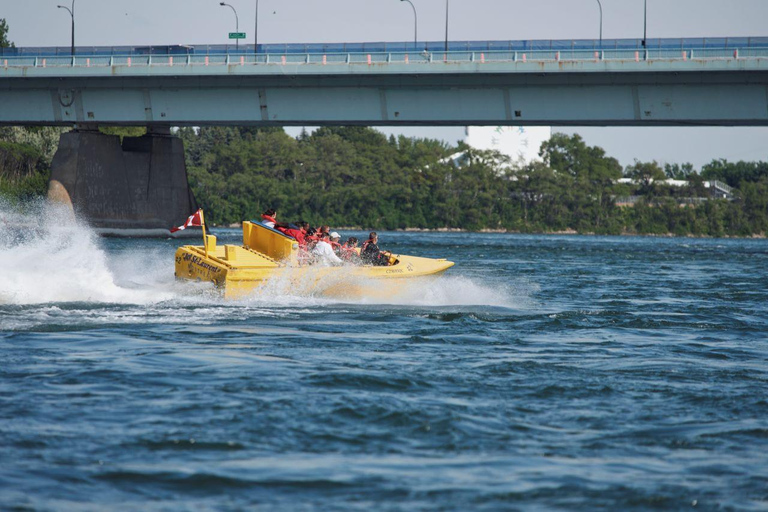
(652, 86)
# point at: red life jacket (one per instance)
(297, 234)
(268, 218)
(336, 246)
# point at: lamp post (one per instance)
(645, 23)
(256, 30)
(601, 23)
(72, 15)
(415, 24)
(237, 22)
(446, 26)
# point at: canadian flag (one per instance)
(196, 219)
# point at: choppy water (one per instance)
(542, 372)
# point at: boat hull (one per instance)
(240, 271)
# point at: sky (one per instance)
(146, 22)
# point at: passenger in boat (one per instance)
(268, 218)
(335, 245)
(296, 231)
(311, 237)
(323, 251)
(348, 253)
(371, 254)
(306, 244)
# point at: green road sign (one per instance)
(237, 35)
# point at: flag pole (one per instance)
(205, 239)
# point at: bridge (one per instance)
(619, 83)
(141, 183)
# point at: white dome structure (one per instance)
(520, 143)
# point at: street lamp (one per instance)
(237, 22)
(446, 26)
(415, 24)
(256, 30)
(72, 15)
(645, 22)
(601, 23)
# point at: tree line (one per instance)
(356, 176)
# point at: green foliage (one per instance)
(17, 160)
(25, 160)
(679, 172)
(28, 187)
(735, 173)
(353, 176)
(123, 131)
(648, 175)
(4, 42)
(23, 171)
(44, 138)
(588, 165)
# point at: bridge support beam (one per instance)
(135, 188)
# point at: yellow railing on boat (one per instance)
(271, 243)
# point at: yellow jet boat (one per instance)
(269, 260)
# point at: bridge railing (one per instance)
(722, 43)
(376, 58)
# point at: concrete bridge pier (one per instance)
(135, 188)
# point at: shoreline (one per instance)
(754, 236)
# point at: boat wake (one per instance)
(447, 290)
(458, 291)
(50, 257)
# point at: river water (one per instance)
(541, 372)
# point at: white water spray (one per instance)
(443, 291)
(48, 257)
